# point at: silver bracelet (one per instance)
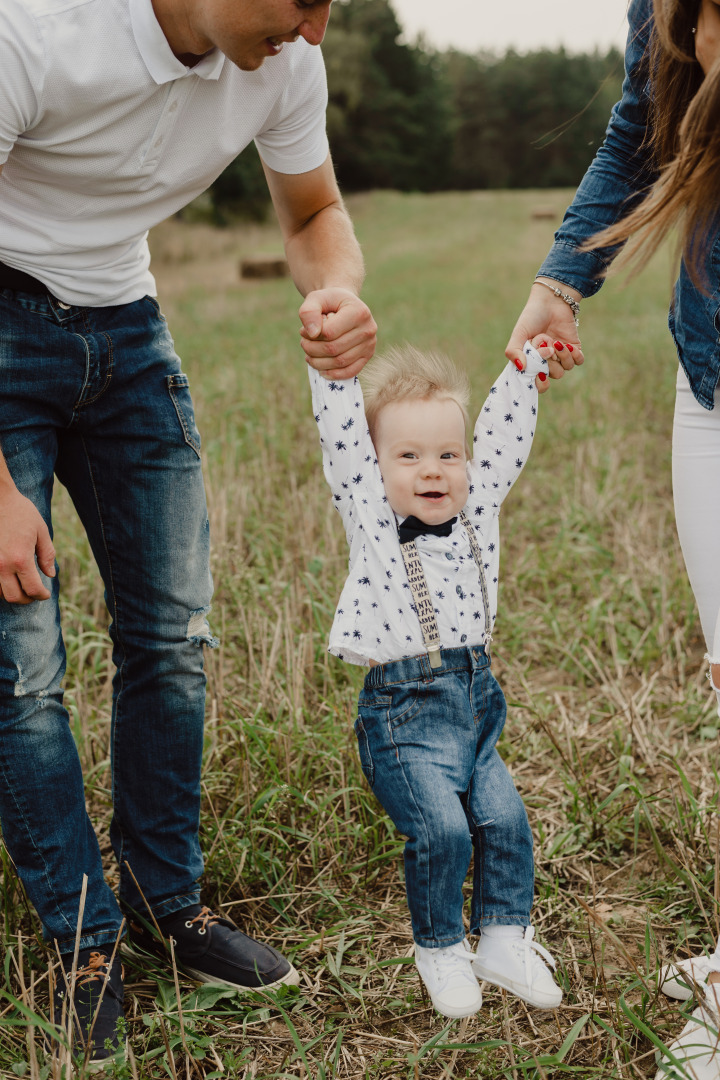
(571, 303)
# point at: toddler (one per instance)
(421, 517)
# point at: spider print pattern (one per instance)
(375, 618)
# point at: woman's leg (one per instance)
(696, 491)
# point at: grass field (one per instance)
(612, 737)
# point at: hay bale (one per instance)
(264, 266)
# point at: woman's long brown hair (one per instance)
(684, 144)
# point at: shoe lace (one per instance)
(448, 962)
(204, 918)
(98, 967)
(533, 950)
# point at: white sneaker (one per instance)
(520, 968)
(679, 980)
(697, 1048)
(447, 974)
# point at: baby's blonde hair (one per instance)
(405, 373)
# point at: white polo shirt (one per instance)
(104, 133)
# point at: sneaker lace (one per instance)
(98, 967)
(204, 918)
(534, 950)
(447, 962)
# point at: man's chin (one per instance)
(248, 61)
(252, 61)
(249, 65)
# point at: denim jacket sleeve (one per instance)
(620, 172)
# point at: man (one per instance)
(114, 114)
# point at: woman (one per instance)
(658, 167)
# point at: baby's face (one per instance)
(421, 452)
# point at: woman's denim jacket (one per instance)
(619, 173)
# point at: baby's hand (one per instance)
(536, 354)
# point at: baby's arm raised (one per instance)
(349, 459)
(505, 427)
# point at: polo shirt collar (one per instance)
(157, 55)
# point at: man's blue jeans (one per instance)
(427, 747)
(96, 396)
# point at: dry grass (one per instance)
(612, 737)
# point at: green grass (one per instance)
(612, 737)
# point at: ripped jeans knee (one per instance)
(32, 654)
(198, 629)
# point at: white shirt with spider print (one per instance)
(375, 617)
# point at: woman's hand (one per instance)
(548, 315)
(707, 34)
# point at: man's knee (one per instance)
(32, 654)
(198, 629)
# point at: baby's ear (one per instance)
(534, 362)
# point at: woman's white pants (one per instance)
(696, 491)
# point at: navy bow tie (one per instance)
(412, 527)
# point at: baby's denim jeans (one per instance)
(427, 747)
(97, 397)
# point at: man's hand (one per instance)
(707, 34)
(338, 332)
(548, 315)
(23, 535)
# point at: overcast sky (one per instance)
(469, 25)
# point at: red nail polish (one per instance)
(518, 364)
(542, 376)
(543, 344)
(558, 345)
(569, 348)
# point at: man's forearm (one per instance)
(324, 253)
(338, 331)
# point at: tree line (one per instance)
(415, 119)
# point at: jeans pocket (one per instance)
(366, 761)
(179, 390)
(407, 701)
